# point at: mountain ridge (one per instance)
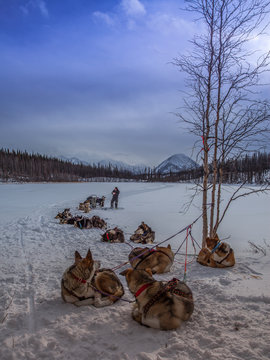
(173, 163)
(176, 163)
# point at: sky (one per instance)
(93, 79)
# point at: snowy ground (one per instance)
(232, 306)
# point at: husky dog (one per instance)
(89, 223)
(143, 234)
(101, 201)
(72, 220)
(84, 223)
(66, 214)
(159, 305)
(98, 222)
(84, 283)
(85, 206)
(159, 260)
(115, 235)
(95, 200)
(216, 254)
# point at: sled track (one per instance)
(29, 278)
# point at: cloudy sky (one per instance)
(93, 78)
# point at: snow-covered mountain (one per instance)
(176, 163)
(74, 160)
(137, 169)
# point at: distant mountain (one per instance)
(74, 160)
(176, 163)
(137, 169)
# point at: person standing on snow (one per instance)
(115, 194)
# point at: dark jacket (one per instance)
(115, 193)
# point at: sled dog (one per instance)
(216, 254)
(160, 305)
(84, 283)
(143, 234)
(115, 235)
(66, 214)
(159, 260)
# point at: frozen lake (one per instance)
(159, 204)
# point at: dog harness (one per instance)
(170, 286)
(221, 261)
(142, 288)
(80, 298)
(78, 279)
(216, 247)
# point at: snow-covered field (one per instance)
(232, 306)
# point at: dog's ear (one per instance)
(149, 271)
(77, 257)
(89, 255)
(125, 272)
(169, 247)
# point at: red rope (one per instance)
(185, 273)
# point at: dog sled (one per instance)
(144, 234)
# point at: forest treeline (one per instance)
(25, 167)
(22, 166)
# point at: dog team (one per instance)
(158, 304)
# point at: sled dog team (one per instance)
(158, 304)
(143, 234)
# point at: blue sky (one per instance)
(93, 79)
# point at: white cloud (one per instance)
(104, 17)
(35, 4)
(133, 7)
(43, 8)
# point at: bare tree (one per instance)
(223, 107)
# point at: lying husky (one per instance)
(216, 254)
(89, 223)
(84, 283)
(159, 305)
(95, 200)
(83, 223)
(66, 214)
(98, 222)
(159, 260)
(85, 206)
(72, 220)
(115, 235)
(143, 234)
